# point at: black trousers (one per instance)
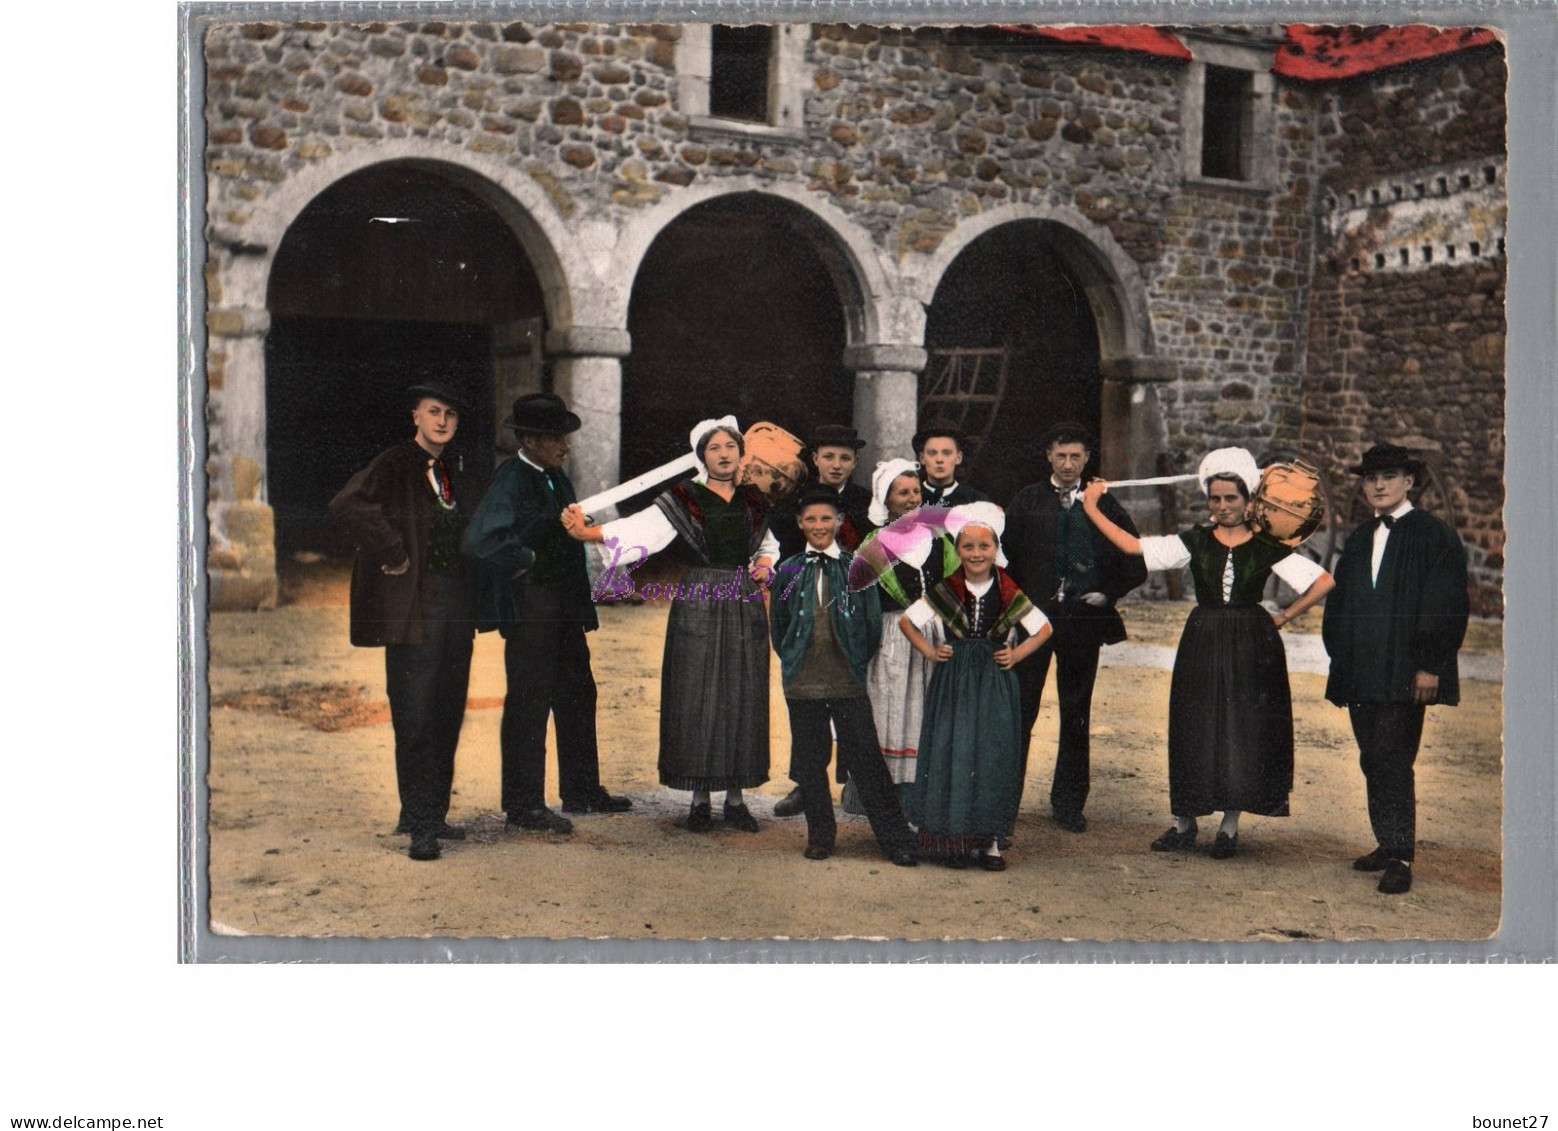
(427, 684)
(1388, 735)
(860, 754)
(547, 662)
(1076, 673)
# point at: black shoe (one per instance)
(740, 817)
(540, 819)
(790, 805)
(602, 802)
(424, 846)
(1373, 862)
(1224, 846)
(445, 831)
(991, 863)
(1071, 822)
(700, 818)
(817, 852)
(904, 857)
(957, 861)
(1175, 841)
(1397, 878)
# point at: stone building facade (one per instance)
(1180, 278)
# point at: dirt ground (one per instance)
(302, 804)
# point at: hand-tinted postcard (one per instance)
(819, 481)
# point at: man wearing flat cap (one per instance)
(533, 587)
(939, 449)
(410, 596)
(1393, 626)
(1075, 575)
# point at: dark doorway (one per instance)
(1010, 290)
(733, 311)
(391, 276)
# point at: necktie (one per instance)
(1067, 496)
(441, 474)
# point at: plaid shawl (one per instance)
(948, 600)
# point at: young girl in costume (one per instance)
(1230, 744)
(968, 777)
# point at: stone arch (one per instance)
(1111, 279)
(863, 275)
(523, 204)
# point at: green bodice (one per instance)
(1252, 562)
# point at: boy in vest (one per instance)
(825, 636)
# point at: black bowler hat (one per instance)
(542, 412)
(835, 436)
(1389, 457)
(1068, 432)
(937, 428)
(449, 395)
(818, 495)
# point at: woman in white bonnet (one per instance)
(898, 675)
(714, 676)
(1230, 743)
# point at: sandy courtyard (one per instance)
(302, 804)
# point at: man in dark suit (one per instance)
(939, 449)
(533, 587)
(1393, 626)
(1075, 575)
(410, 597)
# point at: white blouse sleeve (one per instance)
(1298, 571)
(1165, 551)
(648, 528)
(921, 615)
(768, 547)
(1033, 621)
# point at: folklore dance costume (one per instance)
(714, 677)
(1230, 744)
(968, 775)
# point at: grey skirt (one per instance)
(714, 683)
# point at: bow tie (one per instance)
(1385, 520)
(815, 554)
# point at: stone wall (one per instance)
(1406, 331)
(913, 143)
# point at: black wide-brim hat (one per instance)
(937, 428)
(439, 392)
(1389, 457)
(835, 436)
(542, 412)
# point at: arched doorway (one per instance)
(391, 275)
(1010, 305)
(739, 306)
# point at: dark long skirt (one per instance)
(968, 776)
(714, 684)
(1230, 715)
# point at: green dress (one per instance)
(968, 777)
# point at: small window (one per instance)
(1465, 181)
(1428, 253)
(1444, 187)
(1449, 251)
(1474, 248)
(1489, 174)
(1352, 199)
(738, 84)
(1406, 257)
(1374, 195)
(1227, 123)
(1379, 259)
